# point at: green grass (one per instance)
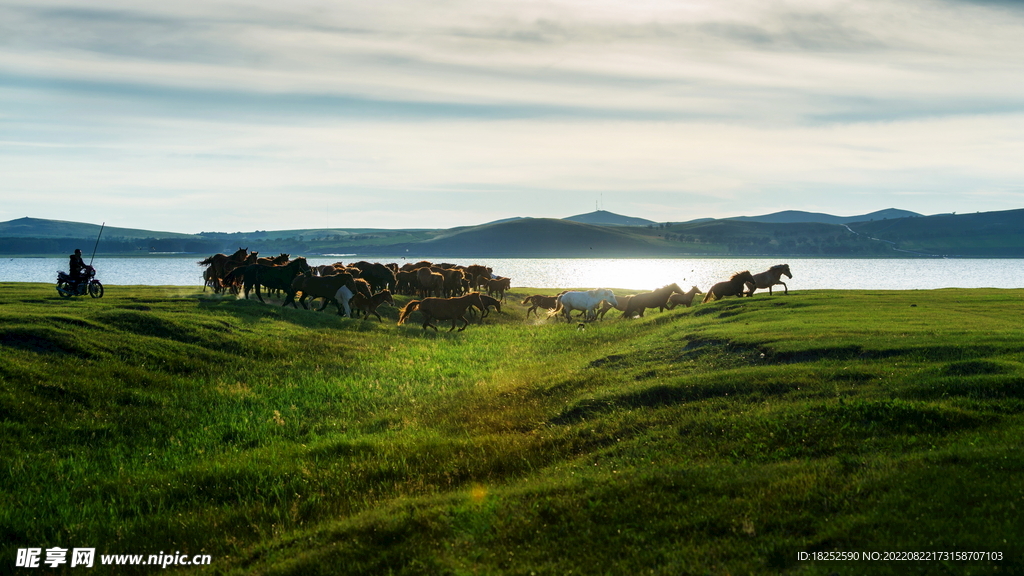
(720, 439)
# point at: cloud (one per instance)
(706, 103)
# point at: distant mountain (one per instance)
(605, 218)
(879, 234)
(793, 216)
(536, 237)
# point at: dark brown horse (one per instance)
(477, 273)
(682, 299)
(540, 301)
(325, 287)
(369, 305)
(429, 282)
(378, 275)
(732, 287)
(279, 260)
(654, 299)
(489, 302)
(219, 265)
(270, 277)
(453, 309)
(498, 286)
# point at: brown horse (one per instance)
(217, 261)
(654, 299)
(540, 301)
(498, 286)
(429, 282)
(369, 305)
(325, 287)
(621, 303)
(219, 265)
(453, 309)
(732, 287)
(477, 273)
(770, 278)
(682, 299)
(270, 277)
(279, 260)
(488, 303)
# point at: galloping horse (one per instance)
(442, 309)
(325, 287)
(682, 299)
(369, 305)
(217, 261)
(732, 287)
(620, 305)
(488, 303)
(655, 299)
(220, 265)
(498, 286)
(271, 277)
(540, 301)
(770, 278)
(587, 301)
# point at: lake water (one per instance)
(635, 274)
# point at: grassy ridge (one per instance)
(724, 438)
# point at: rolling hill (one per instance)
(605, 218)
(879, 234)
(534, 238)
(795, 216)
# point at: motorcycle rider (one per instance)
(77, 265)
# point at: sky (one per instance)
(209, 115)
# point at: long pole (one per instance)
(97, 243)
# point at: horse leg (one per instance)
(465, 322)
(785, 287)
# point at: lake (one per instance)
(634, 274)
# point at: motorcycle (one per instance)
(85, 284)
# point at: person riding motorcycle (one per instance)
(77, 265)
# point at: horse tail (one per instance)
(709, 297)
(528, 300)
(557, 309)
(411, 307)
(205, 262)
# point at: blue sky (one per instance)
(228, 116)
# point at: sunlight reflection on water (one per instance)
(633, 274)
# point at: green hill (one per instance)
(539, 237)
(992, 234)
(986, 234)
(41, 228)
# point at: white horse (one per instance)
(587, 301)
(343, 295)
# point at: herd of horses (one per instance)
(443, 291)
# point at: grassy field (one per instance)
(727, 438)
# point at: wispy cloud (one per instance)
(700, 104)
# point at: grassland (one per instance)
(720, 439)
